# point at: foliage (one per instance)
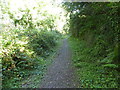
(22, 50)
(96, 26)
(91, 22)
(91, 73)
(26, 40)
(44, 41)
(111, 66)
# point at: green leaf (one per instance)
(110, 65)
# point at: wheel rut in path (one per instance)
(61, 74)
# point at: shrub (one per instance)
(22, 49)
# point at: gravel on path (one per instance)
(61, 73)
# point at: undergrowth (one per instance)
(94, 71)
(23, 52)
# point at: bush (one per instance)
(25, 49)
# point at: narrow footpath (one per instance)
(61, 73)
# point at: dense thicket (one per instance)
(28, 35)
(97, 25)
(25, 50)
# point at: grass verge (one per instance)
(91, 73)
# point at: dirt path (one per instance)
(60, 73)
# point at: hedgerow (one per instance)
(25, 49)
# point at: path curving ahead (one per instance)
(60, 73)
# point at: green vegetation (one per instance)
(27, 42)
(91, 72)
(29, 36)
(22, 53)
(96, 46)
